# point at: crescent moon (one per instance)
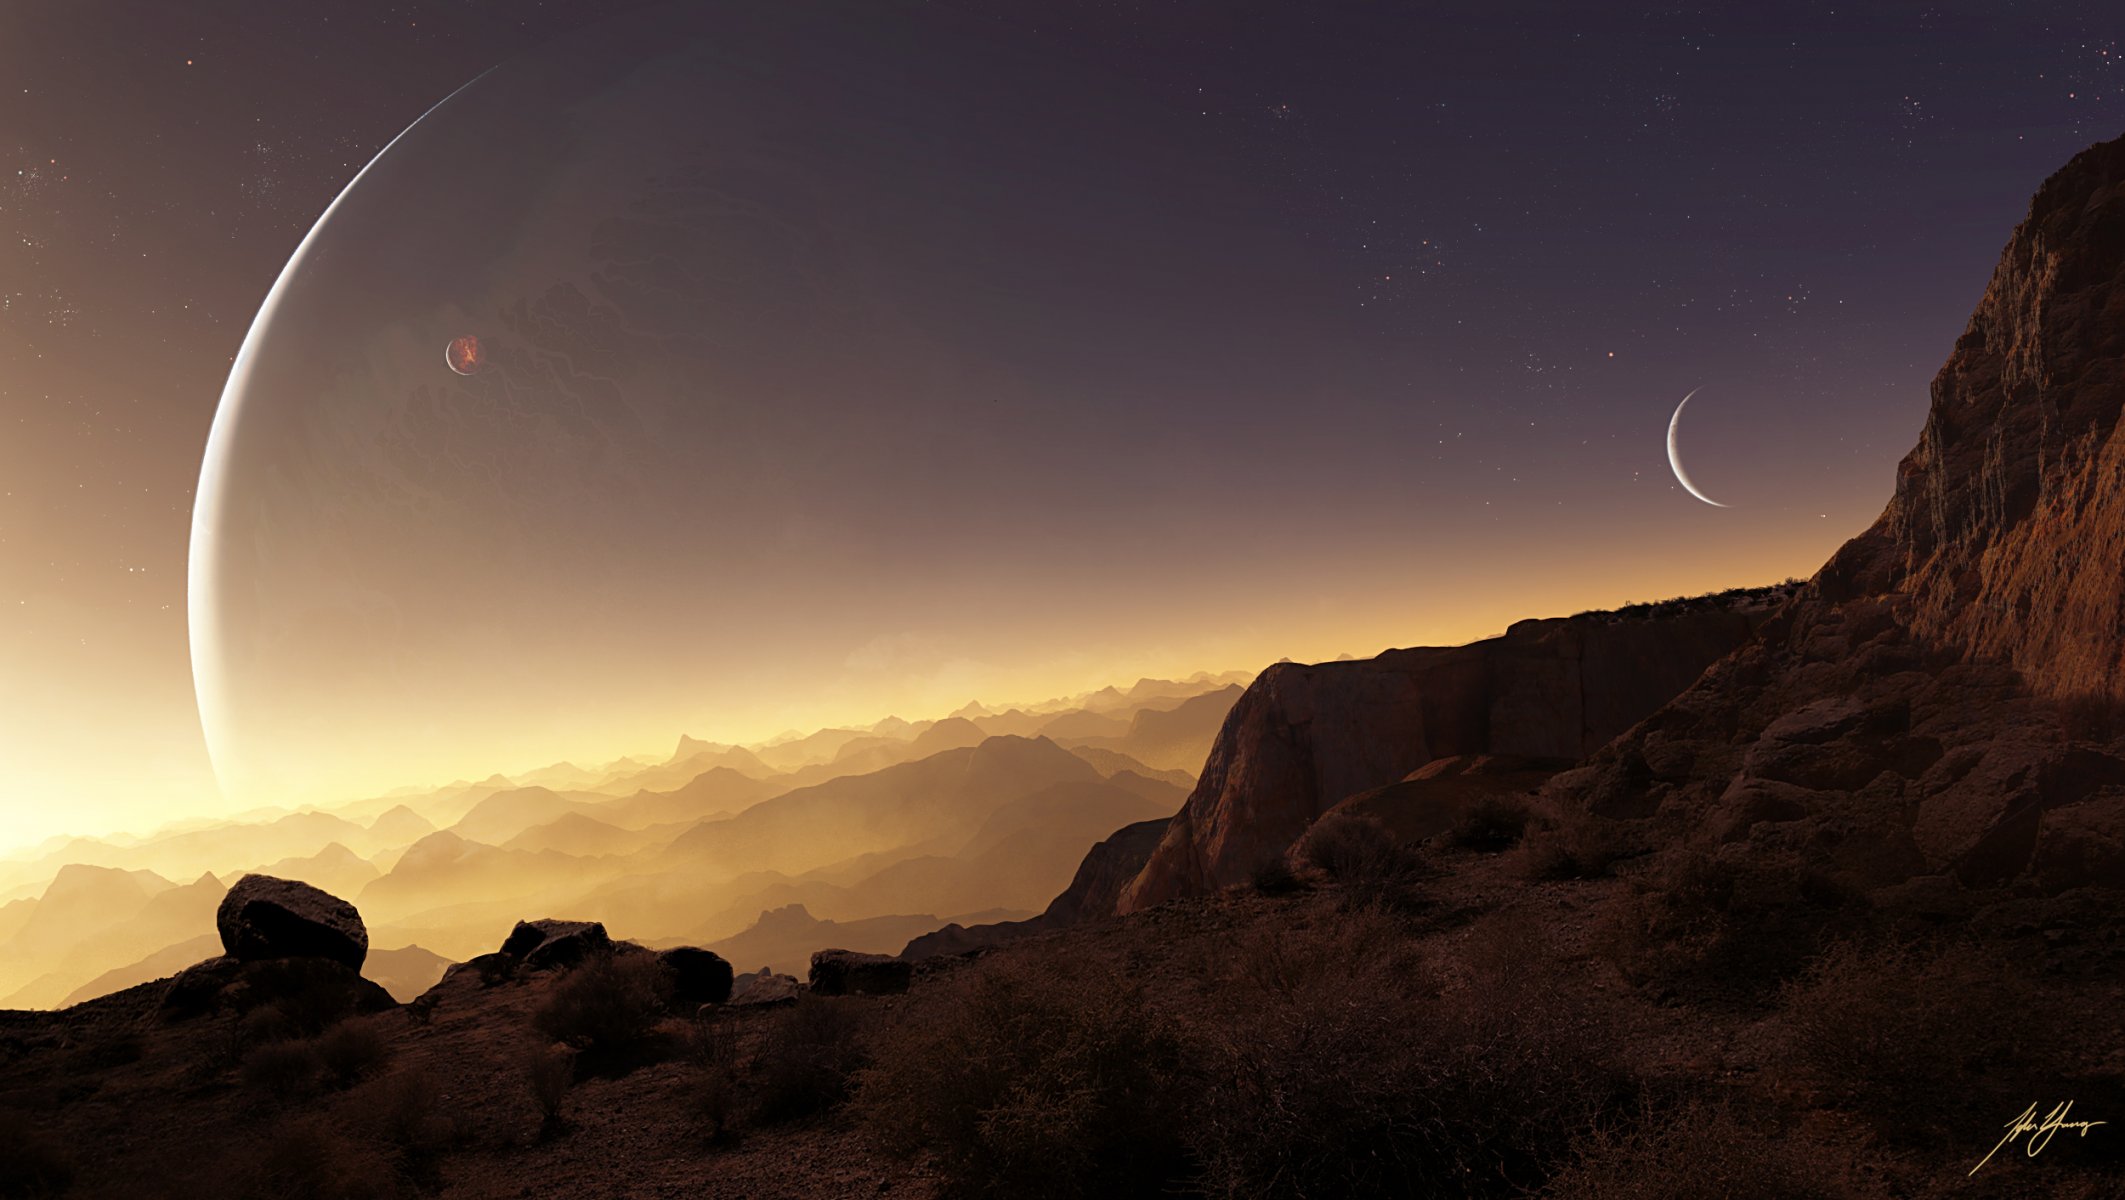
(1675, 455)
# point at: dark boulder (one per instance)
(847, 973)
(311, 993)
(698, 976)
(196, 990)
(551, 943)
(263, 917)
(489, 969)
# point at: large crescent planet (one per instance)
(810, 369)
(1675, 453)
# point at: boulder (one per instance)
(263, 917)
(196, 990)
(698, 976)
(490, 969)
(847, 973)
(312, 990)
(763, 988)
(538, 945)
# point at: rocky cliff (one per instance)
(1304, 738)
(1940, 700)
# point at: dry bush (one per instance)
(351, 1052)
(1701, 1150)
(1724, 927)
(713, 1047)
(404, 1114)
(1362, 855)
(550, 1071)
(1575, 846)
(808, 1057)
(1335, 1064)
(1926, 1043)
(1491, 823)
(31, 1164)
(1274, 877)
(308, 1158)
(1029, 1077)
(608, 1007)
(284, 1070)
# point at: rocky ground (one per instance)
(1490, 1031)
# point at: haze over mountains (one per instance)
(866, 837)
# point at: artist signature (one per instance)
(2040, 1129)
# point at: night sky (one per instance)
(1499, 241)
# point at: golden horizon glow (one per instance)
(927, 691)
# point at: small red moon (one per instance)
(464, 355)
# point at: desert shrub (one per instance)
(808, 1057)
(1727, 927)
(1274, 877)
(405, 1116)
(1334, 1064)
(1578, 846)
(608, 1007)
(1033, 1078)
(31, 1163)
(351, 1052)
(713, 1046)
(1364, 857)
(1701, 1150)
(1922, 1042)
(550, 1071)
(1491, 823)
(284, 1070)
(307, 1158)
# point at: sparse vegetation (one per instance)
(351, 1052)
(809, 1056)
(1717, 598)
(1273, 876)
(1334, 1063)
(309, 1158)
(404, 1114)
(1925, 1042)
(33, 1165)
(1730, 926)
(1491, 823)
(550, 1072)
(1364, 857)
(608, 1007)
(1700, 1150)
(714, 1044)
(1573, 846)
(284, 1070)
(1319, 1058)
(1033, 1078)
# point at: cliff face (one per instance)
(1093, 892)
(1924, 707)
(1304, 738)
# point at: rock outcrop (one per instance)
(847, 973)
(697, 976)
(306, 989)
(263, 917)
(1093, 892)
(1941, 701)
(764, 988)
(1304, 738)
(541, 944)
